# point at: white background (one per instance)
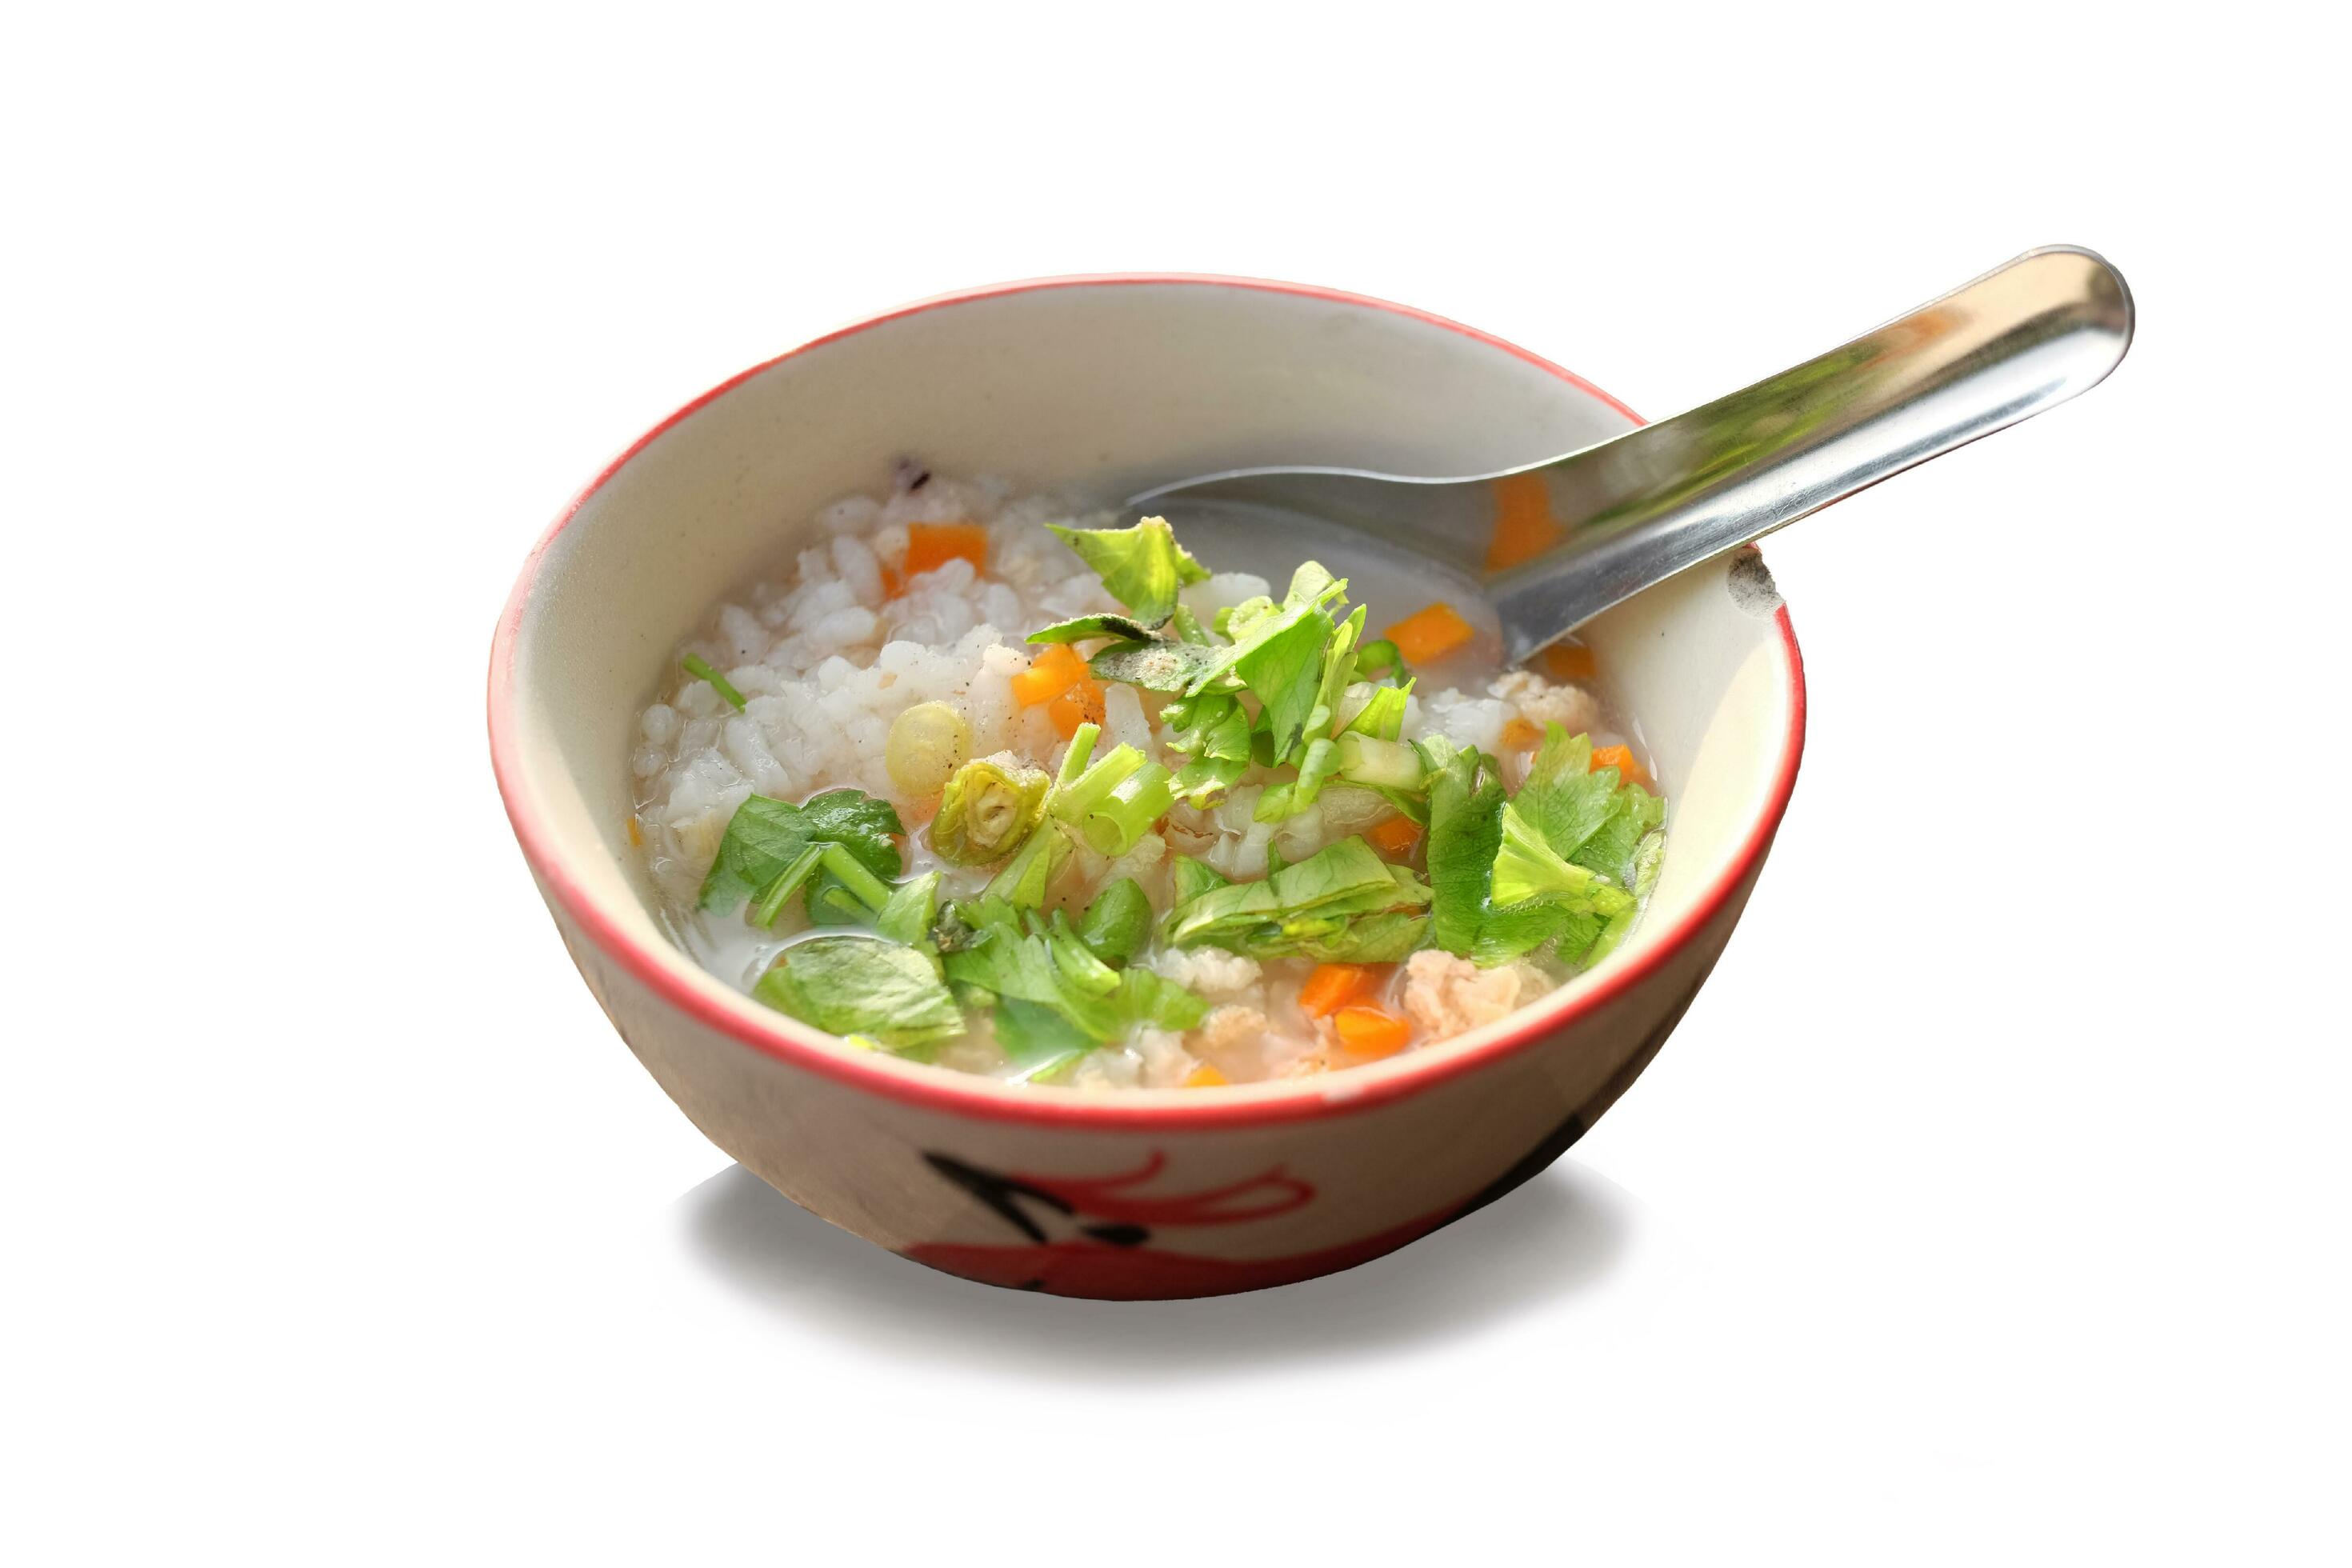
(1988, 1204)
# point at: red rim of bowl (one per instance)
(673, 976)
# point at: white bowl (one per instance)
(1113, 383)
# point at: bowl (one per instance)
(1110, 384)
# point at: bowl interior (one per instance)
(1106, 386)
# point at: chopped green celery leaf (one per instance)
(1084, 626)
(766, 835)
(989, 808)
(1379, 764)
(1289, 798)
(1213, 730)
(1142, 566)
(1118, 923)
(1407, 803)
(1053, 970)
(913, 905)
(1194, 877)
(1023, 879)
(1338, 670)
(1381, 717)
(1274, 859)
(1525, 868)
(1346, 879)
(1188, 627)
(1514, 932)
(1039, 1040)
(1313, 586)
(1116, 825)
(1378, 657)
(1466, 808)
(1205, 783)
(1647, 856)
(699, 668)
(1591, 819)
(778, 893)
(863, 985)
(1160, 666)
(1369, 938)
(1284, 667)
(1075, 963)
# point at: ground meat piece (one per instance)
(1448, 996)
(1227, 1027)
(1571, 708)
(1208, 972)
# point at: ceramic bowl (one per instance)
(1112, 383)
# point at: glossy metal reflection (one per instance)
(1602, 525)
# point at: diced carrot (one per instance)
(1622, 759)
(1522, 736)
(1333, 986)
(1205, 1077)
(1370, 1031)
(893, 584)
(1428, 633)
(1395, 836)
(930, 545)
(1081, 704)
(1568, 661)
(637, 834)
(1049, 675)
(1524, 525)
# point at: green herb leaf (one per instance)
(1142, 566)
(1589, 818)
(863, 985)
(699, 668)
(1034, 968)
(1194, 877)
(913, 906)
(1311, 901)
(867, 828)
(1118, 923)
(1525, 868)
(1465, 806)
(778, 893)
(1160, 666)
(1083, 626)
(765, 836)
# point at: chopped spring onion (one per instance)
(699, 668)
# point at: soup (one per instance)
(985, 783)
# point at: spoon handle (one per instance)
(1650, 503)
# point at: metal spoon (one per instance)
(1600, 524)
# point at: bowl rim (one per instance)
(673, 976)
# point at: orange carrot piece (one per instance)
(1206, 1076)
(1428, 633)
(1622, 759)
(930, 545)
(893, 584)
(1370, 1031)
(1568, 661)
(1049, 675)
(1395, 836)
(1522, 736)
(1333, 986)
(637, 834)
(1524, 525)
(1081, 704)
